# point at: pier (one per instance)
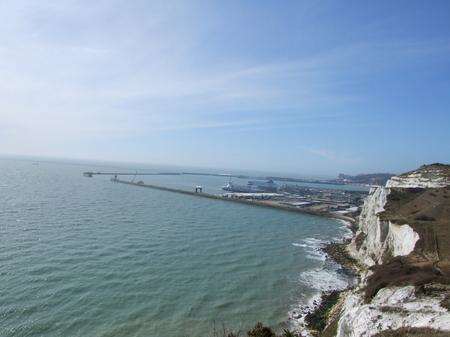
(198, 192)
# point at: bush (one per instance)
(259, 330)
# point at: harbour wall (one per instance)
(259, 203)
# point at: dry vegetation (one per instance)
(413, 332)
(259, 330)
(400, 271)
(427, 211)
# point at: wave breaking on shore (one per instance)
(328, 276)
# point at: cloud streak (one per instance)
(115, 70)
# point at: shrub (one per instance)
(259, 330)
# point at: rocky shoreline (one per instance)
(317, 321)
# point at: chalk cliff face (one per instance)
(378, 239)
(392, 308)
(428, 176)
(403, 248)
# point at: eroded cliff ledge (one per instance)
(403, 249)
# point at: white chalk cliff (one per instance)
(431, 176)
(392, 308)
(377, 242)
(380, 238)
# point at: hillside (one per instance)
(368, 179)
(402, 250)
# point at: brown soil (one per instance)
(413, 332)
(446, 302)
(427, 211)
(359, 240)
(402, 271)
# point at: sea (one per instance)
(88, 257)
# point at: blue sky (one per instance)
(287, 86)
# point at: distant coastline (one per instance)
(358, 180)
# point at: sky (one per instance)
(305, 87)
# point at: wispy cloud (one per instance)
(323, 153)
(112, 69)
(332, 156)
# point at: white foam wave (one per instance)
(313, 248)
(325, 277)
(320, 279)
(346, 229)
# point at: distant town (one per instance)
(378, 179)
(312, 199)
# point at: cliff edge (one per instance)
(402, 249)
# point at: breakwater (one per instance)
(259, 203)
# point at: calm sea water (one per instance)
(86, 257)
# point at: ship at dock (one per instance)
(253, 186)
